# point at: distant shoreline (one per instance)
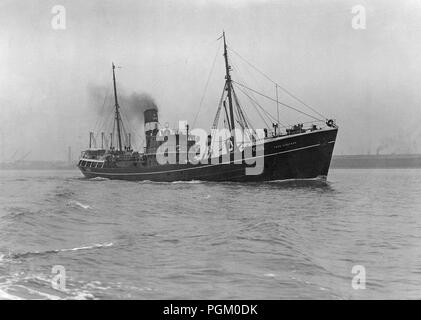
(338, 162)
(376, 161)
(38, 165)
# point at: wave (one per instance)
(65, 194)
(168, 182)
(95, 246)
(98, 179)
(187, 182)
(80, 295)
(270, 275)
(39, 287)
(7, 296)
(54, 251)
(14, 212)
(317, 179)
(78, 204)
(315, 183)
(146, 181)
(43, 295)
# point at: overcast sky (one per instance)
(368, 80)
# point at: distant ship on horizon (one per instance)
(300, 151)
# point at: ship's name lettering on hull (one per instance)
(286, 145)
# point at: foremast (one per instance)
(117, 112)
(228, 87)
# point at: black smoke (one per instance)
(132, 105)
(136, 104)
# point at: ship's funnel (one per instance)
(151, 119)
(151, 115)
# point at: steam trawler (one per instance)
(300, 151)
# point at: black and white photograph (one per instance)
(210, 150)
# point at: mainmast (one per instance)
(117, 112)
(229, 88)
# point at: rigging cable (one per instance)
(275, 83)
(97, 123)
(254, 103)
(218, 112)
(107, 123)
(112, 134)
(281, 103)
(240, 110)
(135, 132)
(207, 83)
(244, 116)
(253, 98)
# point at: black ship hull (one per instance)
(300, 156)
